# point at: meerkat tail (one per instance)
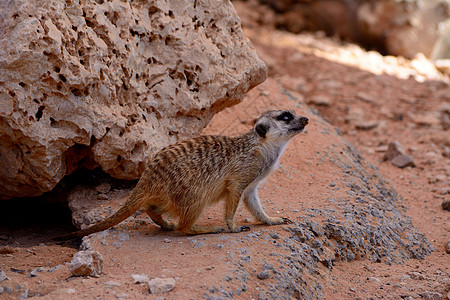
(128, 209)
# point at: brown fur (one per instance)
(185, 178)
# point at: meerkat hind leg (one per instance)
(252, 202)
(152, 212)
(186, 223)
(231, 205)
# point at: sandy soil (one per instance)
(370, 108)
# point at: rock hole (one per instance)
(39, 112)
(76, 92)
(119, 158)
(36, 100)
(12, 94)
(189, 77)
(62, 77)
(57, 69)
(86, 91)
(59, 86)
(152, 10)
(15, 16)
(171, 14)
(121, 133)
(53, 122)
(99, 1)
(22, 84)
(74, 28)
(89, 23)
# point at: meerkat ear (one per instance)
(261, 130)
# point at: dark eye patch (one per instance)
(285, 116)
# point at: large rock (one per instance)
(108, 83)
(396, 27)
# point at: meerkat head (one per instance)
(280, 125)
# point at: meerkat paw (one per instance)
(278, 221)
(168, 226)
(286, 221)
(239, 229)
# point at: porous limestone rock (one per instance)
(108, 83)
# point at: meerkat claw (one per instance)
(287, 221)
(244, 228)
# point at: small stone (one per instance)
(122, 295)
(365, 97)
(139, 278)
(394, 149)
(319, 100)
(32, 273)
(161, 285)
(7, 289)
(103, 188)
(374, 280)
(263, 275)
(367, 125)
(166, 240)
(209, 268)
(274, 235)
(112, 283)
(332, 184)
(102, 197)
(447, 248)
(403, 161)
(446, 205)
(86, 263)
(432, 296)
(417, 275)
(3, 276)
(71, 291)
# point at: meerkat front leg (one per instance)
(252, 202)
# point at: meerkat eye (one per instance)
(285, 116)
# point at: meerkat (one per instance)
(185, 178)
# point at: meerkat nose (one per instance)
(304, 120)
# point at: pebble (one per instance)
(432, 296)
(161, 285)
(139, 278)
(332, 184)
(122, 295)
(86, 263)
(416, 275)
(166, 240)
(374, 280)
(319, 100)
(102, 197)
(274, 235)
(403, 160)
(112, 283)
(3, 276)
(263, 275)
(103, 188)
(367, 125)
(32, 273)
(446, 205)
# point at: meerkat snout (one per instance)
(304, 121)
